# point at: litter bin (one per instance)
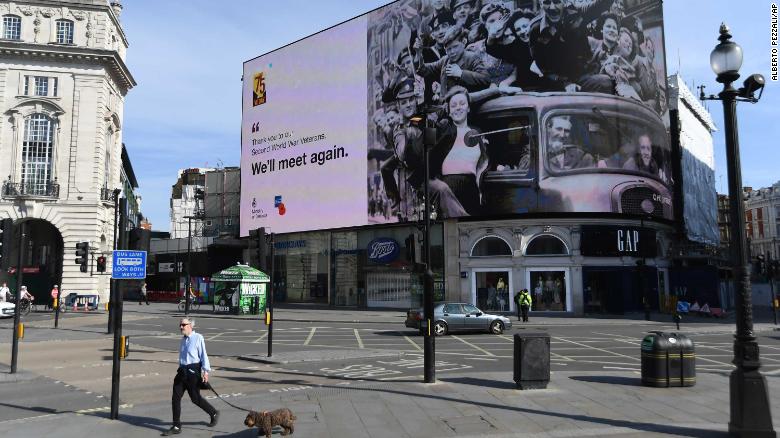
(532, 360)
(668, 359)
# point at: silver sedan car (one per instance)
(452, 317)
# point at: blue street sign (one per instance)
(129, 265)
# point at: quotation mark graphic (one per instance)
(256, 127)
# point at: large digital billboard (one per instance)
(531, 106)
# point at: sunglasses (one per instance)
(183, 325)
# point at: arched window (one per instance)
(37, 151)
(12, 27)
(491, 246)
(546, 245)
(64, 32)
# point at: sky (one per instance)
(187, 57)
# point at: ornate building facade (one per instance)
(63, 82)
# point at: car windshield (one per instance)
(609, 141)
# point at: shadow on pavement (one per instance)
(483, 383)
(638, 426)
(612, 380)
(33, 408)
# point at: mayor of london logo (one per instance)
(258, 90)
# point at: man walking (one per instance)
(193, 367)
(143, 296)
(523, 304)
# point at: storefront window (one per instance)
(548, 289)
(493, 291)
(301, 267)
(546, 245)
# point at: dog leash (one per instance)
(208, 385)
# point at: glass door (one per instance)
(550, 290)
(491, 290)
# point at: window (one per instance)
(469, 309)
(12, 27)
(64, 32)
(510, 150)
(37, 150)
(611, 141)
(546, 245)
(41, 86)
(107, 162)
(452, 309)
(208, 222)
(491, 246)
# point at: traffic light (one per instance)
(259, 235)
(82, 252)
(100, 264)
(6, 234)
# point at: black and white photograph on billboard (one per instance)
(537, 105)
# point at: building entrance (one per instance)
(491, 290)
(42, 264)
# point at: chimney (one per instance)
(116, 5)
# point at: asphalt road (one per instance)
(573, 348)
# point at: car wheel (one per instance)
(496, 327)
(440, 328)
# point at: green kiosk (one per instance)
(240, 289)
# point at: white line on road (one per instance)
(596, 348)
(311, 335)
(359, 341)
(413, 343)
(257, 341)
(473, 346)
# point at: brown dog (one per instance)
(265, 421)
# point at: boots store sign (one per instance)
(383, 250)
(608, 241)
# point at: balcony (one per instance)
(50, 189)
(106, 194)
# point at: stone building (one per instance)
(63, 82)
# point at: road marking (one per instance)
(473, 346)
(413, 343)
(215, 336)
(359, 341)
(257, 341)
(311, 335)
(596, 348)
(482, 358)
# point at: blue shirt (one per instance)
(193, 350)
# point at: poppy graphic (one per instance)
(282, 210)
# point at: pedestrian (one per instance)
(523, 304)
(143, 297)
(193, 368)
(4, 292)
(55, 292)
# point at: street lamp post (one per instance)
(750, 412)
(429, 355)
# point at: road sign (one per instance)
(129, 265)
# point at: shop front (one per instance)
(371, 267)
(607, 266)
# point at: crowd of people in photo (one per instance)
(445, 57)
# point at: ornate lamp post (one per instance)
(750, 412)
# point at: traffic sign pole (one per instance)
(19, 278)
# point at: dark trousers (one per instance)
(388, 178)
(143, 298)
(524, 312)
(187, 380)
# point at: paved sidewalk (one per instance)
(476, 405)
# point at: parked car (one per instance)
(7, 310)
(452, 317)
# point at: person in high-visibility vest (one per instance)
(523, 304)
